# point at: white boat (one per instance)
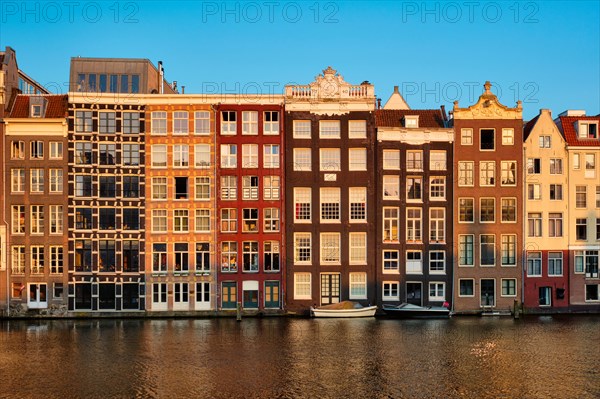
(344, 309)
(410, 311)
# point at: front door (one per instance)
(229, 295)
(414, 293)
(330, 288)
(488, 292)
(271, 294)
(250, 299)
(37, 296)
(545, 296)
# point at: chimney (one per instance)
(161, 75)
(379, 103)
(443, 108)
(182, 89)
(396, 90)
(174, 85)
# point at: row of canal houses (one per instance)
(126, 196)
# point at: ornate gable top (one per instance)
(488, 107)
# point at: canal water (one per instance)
(536, 357)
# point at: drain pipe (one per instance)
(6, 227)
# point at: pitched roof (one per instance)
(529, 127)
(56, 108)
(566, 125)
(428, 118)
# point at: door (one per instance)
(37, 296)
(414, 293)
(330, 288)
(229, 295)
(545, 296)
(272, 294)
(488, 292)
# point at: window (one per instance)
(17, 180)
(437, 227)
(181, 188)
(228, 156)
(581, 229)
(556, 192)
(534, 264)
(229, 220)
(486, 140)
(271, 187)
(358, 204)
(590, 165)
(250, 122)
(201, 122)
(131, 256)
(391, 291)
(18, 259)
(437, 262)
(56, 150)
(436, 292)
(465, 173)
(414, 160)
(358, 286)
(302, 204)
(357, 129)
(202, 156)
(466, 136)
(465, 287)
(56, 260)
(597, 196)
(37, 219)
(271, 156)
(414, 262)
(159, 122)
(107, 122)
(508, 136)
(37, 180)
(159, 258)
(18, 219)
(598, 228)
(228, 187)
(544, 141)
(83, 185)
(391, 159)
(330, 248)
(329, 129)
(181, 156)
(37, 259)
(228, 123)
(591, 292)
(437, 188)
(83, 153)
(534, 191)
(56, 219)
(556, 167)
(580, 196)
(202, 257)
(509, 210)
(465, 250)
(180, 295)
(250, 256)
(159, 188)
(229, 255)
(509, 287)
(391, 187)
(202, 222)
(588, 130)
(330, 159)
(250, 220)
(534, 166)
(159, 295)
(302, 248)
(159, 220)
(131, 187)
(131, 122)
(56, 180)
(107, 218)
(487, 210)
(390, 224)
(181, 256)
(131, 154)
(391, 261)
(271, 256)
(414, 189)
(302, 286)
(108, 188)
(83, 121)
(302, 159)
(108, 154)
(357, 159)
(271, 219)
(159, 155)
(17, 150)
(83, 218)
(202, 188)
(250, 187)
(180, 221)
(555, 225)
(249, 156)
(271, 123)
(591, 264)
(180, 122)
(36, 150)
(413, 224)
(358, 248)
(488, 249)
(555, 264)
(534, 224)
(437, 160)
(301, 129)
(576, 161)
(508, 173)
(330, 205)
(58, 291)
(106, 256)
(509, 250)
(487, 172)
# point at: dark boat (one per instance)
(410, 311)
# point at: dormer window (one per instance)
(36, 111)
(37, 106)
(411, 121)
(588, 130)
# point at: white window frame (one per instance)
(357, 248)
(357, 129)
(329, 129)
(158, 120)
(300, 130)
(302, 286)
(357, 159)
(358, 286)
(249, 123)
(302, 159)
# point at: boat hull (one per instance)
(368, 311)
(417, 312)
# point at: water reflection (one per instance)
(292, 358)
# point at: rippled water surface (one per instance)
(539, 357)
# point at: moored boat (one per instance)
(410, 311)
(344, 309)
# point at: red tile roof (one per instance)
(566, 125)
(57, 106)
(428, 118)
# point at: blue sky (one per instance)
(545, 53)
